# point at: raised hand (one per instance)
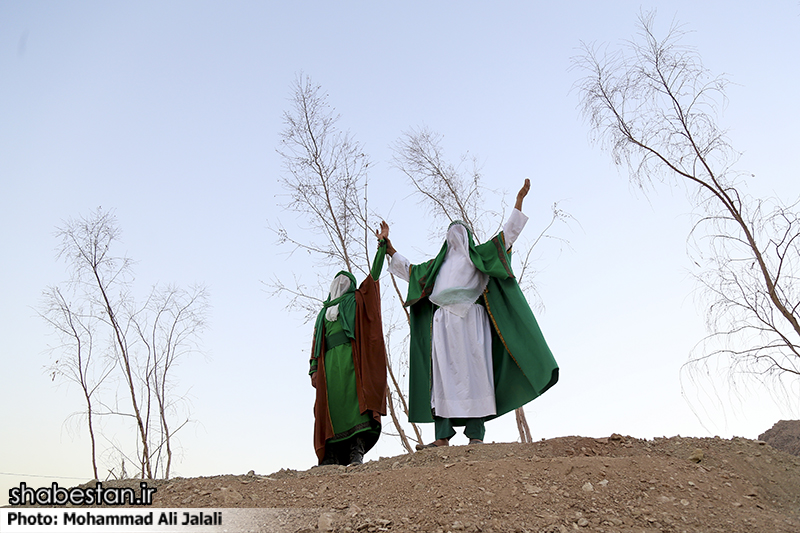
(383, 233)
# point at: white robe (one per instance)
(461, 352)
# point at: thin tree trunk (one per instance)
(406, 445)
(399, 393)
(522, 424)
(393, 414)
(91, 436)
(128, 376)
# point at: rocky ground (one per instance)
(784, 436)
(613, 484)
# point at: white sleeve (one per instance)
(400, 266)
(513, 226)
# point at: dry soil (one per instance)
(612, 484)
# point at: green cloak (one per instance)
(361, 336)
(523, 365)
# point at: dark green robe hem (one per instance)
(371, 426)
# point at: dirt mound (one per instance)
(784, 436)
(615, 484)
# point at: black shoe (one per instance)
(330, 457)
(357, 452)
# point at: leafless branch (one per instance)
(146, 341)
(655, 107)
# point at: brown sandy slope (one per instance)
(614, 484)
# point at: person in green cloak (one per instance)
(348, 367)
(476, 349)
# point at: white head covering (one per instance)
(339, 286)
(458, 283)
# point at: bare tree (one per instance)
(145, 342)
(85, 245)
(168, 331)
(446, 189)
(655, 107)
(79, 363)
(455, 192)
(325, 176)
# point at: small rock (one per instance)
(582, 522)
(587, 487)
(325, 522)
(230, 495)
(697, 456)
(532, 489)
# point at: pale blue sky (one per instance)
(169, 113)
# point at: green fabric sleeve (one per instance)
(380, 257)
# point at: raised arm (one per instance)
(516, 221)
(523, 192)
(383, 234)
(383, 240)
(398, 265)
